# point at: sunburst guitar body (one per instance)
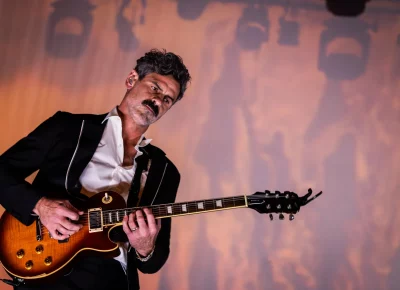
(29, 252)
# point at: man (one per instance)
(80, 155)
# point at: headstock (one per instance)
(279, 202)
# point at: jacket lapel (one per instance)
(91, 135)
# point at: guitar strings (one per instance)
(160, 210)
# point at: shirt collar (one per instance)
(114, 113)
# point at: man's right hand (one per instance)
(55, 215)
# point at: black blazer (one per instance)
(60, 148)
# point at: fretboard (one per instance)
(111, 217)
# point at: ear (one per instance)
(132, 78)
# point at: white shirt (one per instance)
(105, 172)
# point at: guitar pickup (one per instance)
(95, 220)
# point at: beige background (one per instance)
(258, 115)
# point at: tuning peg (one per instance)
(281, 217)
(271, 217)
(291, 217)
(267, 192)
(278, 206)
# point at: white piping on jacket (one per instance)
(165, 169)
(73, 156)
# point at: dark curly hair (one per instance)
(164, 63)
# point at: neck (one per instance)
(131, 132)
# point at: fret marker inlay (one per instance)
(184, 207)
(219, 203)
(169, 209)
(200, 205)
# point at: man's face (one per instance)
(149, 99)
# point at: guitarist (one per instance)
(80, 155)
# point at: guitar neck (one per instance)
(112, 217)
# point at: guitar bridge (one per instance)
(95, 220)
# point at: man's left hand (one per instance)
(142, 232)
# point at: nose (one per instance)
(157, 100)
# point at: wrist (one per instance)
(144, 256)
(144, 253)
(37, 206)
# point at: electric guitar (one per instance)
(28, 253)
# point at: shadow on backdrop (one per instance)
(191, 10)
(253, 27)
(126, 38)
(215, 150)
(340, 201)
(338, 66)
(203, 271)
(69, 44)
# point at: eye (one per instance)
(166, 100)
(154, 88)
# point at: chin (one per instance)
(145, 121)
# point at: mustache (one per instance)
(153, 106)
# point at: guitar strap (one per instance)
(134, 192)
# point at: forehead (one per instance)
(167, 83)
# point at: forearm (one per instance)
(160, 253)
(17, 196)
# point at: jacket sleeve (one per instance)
(18, 196)
(162, 249)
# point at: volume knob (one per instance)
(29, 265)
(39, 249)
(48, 261)
(20, 254)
